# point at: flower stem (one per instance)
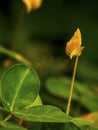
(15, 55)
(72, 86)
(17, 31)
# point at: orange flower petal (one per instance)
(93, 117)
(73, 47)
(32, 4)
(76, 52)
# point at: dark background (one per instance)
(55, 21)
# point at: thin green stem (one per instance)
(15, 55)
(72, 86)
(18, 26)
(8, 117)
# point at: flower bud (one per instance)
(73, 47)
(32, 4)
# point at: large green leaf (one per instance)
(51, 114)
(19, 87)
(83, 93)
(43, 114)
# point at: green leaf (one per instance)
(51, 114)
(43, 114)
(19, 87)
(10, 126)
(37, 102)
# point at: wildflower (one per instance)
(73, 47)
(32, 4)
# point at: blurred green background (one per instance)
(42, 39)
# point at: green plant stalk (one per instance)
(8, 117)
(72, 87)
(15, 55)
(18, 26)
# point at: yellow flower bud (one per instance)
(32, 4)
(73, 47)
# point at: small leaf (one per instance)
(43, 114)
(19, 87)
(37, 102)
(10, 126)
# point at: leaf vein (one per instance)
(18, 88)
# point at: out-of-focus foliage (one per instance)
(84, 94)
(42, 38)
